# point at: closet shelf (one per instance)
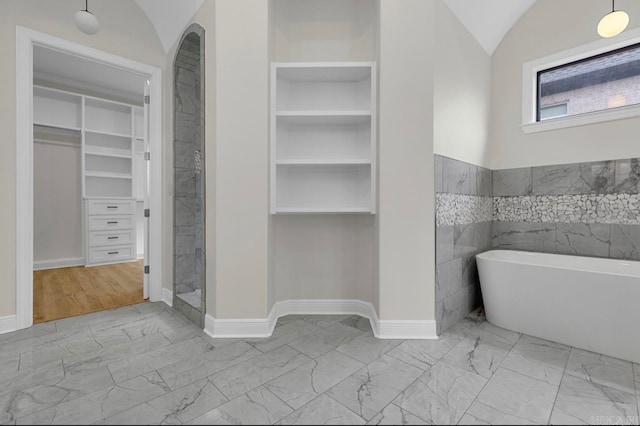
(311, 210)
(109, 175)
(320, 162)
(112, 154)
(56, 128)
(101, 132)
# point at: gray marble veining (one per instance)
(539, 237)
(533, 401)
(326, 339)
(537, 358)
(601, 369)
(258, 406)
(579, 178)
(230, 381)
(459, 177)
(512, 182)
(373, 387)
(322, 411)
(177, 407)
(583, 239)
(394, 415)
(580, 402)
(299, 386)
(442, 394)
(628, 175)
(256, 371)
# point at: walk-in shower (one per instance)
(189, 177)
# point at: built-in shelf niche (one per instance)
(56, 109)
(108, 117)
(323, 138)
(324, 188)
(107, 186)
(326, 88)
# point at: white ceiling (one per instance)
(487, 20)
(169, 17)
(62, 68)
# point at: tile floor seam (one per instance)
(488, 379)
(338, 402)
(564, 371)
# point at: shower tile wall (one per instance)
(188, 173)
(463, 219)
(587, 209)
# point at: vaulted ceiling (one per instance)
(487, 20)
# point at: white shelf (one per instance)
(109, 175)
(49, 127)
(324, 210)
(321, 162)
(101, 132)
(335, 114)
(323, 131)
(115, 153)
(55, 108)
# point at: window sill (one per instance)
(620, 113)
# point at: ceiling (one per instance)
(487, 20)
(65, 69)
(169, 17)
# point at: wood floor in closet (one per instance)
(67, 292)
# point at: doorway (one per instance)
(93, 105)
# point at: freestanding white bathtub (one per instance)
(589, 303)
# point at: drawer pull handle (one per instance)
(114, 252)
(112, 238)
(112, 207)
(112, 223)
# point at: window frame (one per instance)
(530, 70)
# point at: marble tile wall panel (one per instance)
(464, 212)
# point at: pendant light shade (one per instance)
(86, 21)
(613, 23)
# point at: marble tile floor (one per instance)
(194, 298)
(146, 364)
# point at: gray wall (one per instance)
(189, 191)
(463, 219)
(586, 209)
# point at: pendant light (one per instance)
(86, 21)
(613, 23)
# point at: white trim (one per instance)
(529, 82)
(41, 265)
(167, 296)
(25, 39)
(8, 324)
(263, 327)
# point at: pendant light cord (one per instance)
(613, 6)
(86, 5)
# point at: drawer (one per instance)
(110, 207)
(110, 254)
(104, 223)
(110, 238)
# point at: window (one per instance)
(592, 83)
(608, 80)
(552, 111)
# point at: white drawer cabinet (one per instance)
(111, 230)
(104, 238)
(106, 207)
(102, 223)
(109, 254)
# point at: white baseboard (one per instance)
(263, 327)
(41, 265)
(8, 324)
(391, 329)
(167, 296)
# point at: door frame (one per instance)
(25, 40)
